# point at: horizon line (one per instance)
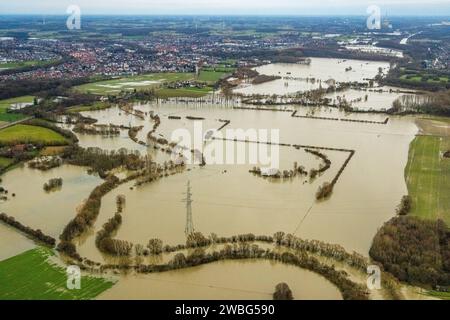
(228, 15)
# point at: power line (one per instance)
(304, 217)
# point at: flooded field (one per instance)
(361, 202)
(240, 280)
(48, 211)
(377, 99)
(228, 199)
(303, 77)
(12, 242)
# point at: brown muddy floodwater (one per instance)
(378, 98)
(242, 280)
(48, 211)
(228, 200)
(12, 242)
(294, 76)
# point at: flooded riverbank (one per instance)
(365, 196)
(242, 280)
(361, 202)
(48, 211)
(304, 77)
(228, 199)
(12, 242)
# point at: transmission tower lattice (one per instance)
(188, 200)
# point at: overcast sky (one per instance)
(291, 7)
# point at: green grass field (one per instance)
(33, 276)
(21, 64)
(140, 82)
(4, 162)
(5, 104)
(440, 295)
(419, 78)
(428, 177)
(220, 68)
(22, 133)
(184, 92)
(211, 76)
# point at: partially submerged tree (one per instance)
(282, 292)
(155, 246)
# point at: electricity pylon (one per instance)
(188, 200)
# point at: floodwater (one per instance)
(242, 280)
(321, 69)
(228, 200)
(378, 99)
(48, 211)
(12, 242)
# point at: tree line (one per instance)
(104, 241)
(37, 235)
(242, 250)
(85, 217)
(18, 88)
(102, 161)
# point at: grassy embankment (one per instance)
(33, 276)
(5, 104)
